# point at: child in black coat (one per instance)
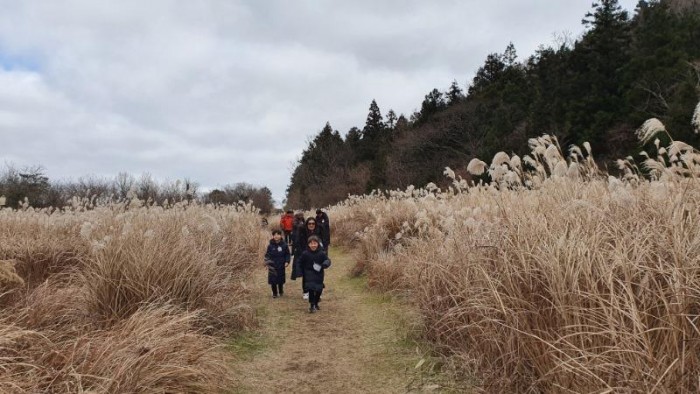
(300, 245)
(277, 259)
(313, 262)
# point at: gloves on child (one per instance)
(317, 267)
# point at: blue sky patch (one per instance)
(19, 61)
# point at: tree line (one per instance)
(29, 186)
(598, 88)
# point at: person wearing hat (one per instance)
(324, 224)
(313, 263)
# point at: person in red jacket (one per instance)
(287, 226)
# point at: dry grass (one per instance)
(553, 277)
(9, 279)
(154, 350)
(123, 299)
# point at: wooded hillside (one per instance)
(599, 88)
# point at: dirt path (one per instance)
(357, 342)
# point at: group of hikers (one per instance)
(304, 243)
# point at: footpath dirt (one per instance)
(359, 342)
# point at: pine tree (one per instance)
(318, 163)
(433, 103)
(372, 133)
(374, 123)
(454, 94)
(391, 119)
(488, 73)
(597, 61)
(402, 123)
(606, 14)
(353, 136)
(510, 56)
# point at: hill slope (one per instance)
(600, 88)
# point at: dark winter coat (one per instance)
(313, 280)
(296, 272)
(324, 223)
(276, 257)
(301, 244)
(299, 225)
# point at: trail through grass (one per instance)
(359, 341)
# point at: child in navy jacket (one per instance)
(313, 262)
(277, 259)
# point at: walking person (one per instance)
(298, 226)
(300, 245)
(277, 259)
(313, 262)
(324, 224)
(287, 225)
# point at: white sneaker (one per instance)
(305, 296)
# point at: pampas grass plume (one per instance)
(560, 169)
(575, 152)
(515, 162)
(587, 146)
(552, 154)
(649, 129)
(497, 173)
(654, 166)
(573, 171)
(678, 147)
(499, 159)
(476, 167)
(529, 161)
(449, 173)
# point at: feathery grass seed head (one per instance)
(649, 129)
(476, 167)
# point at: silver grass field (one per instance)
(554, 276)
(123, 297)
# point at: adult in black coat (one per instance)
(324, 223)
(277, 259)
(301, 243)
(299, 225)
(313, 263)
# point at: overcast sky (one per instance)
(226, 91)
